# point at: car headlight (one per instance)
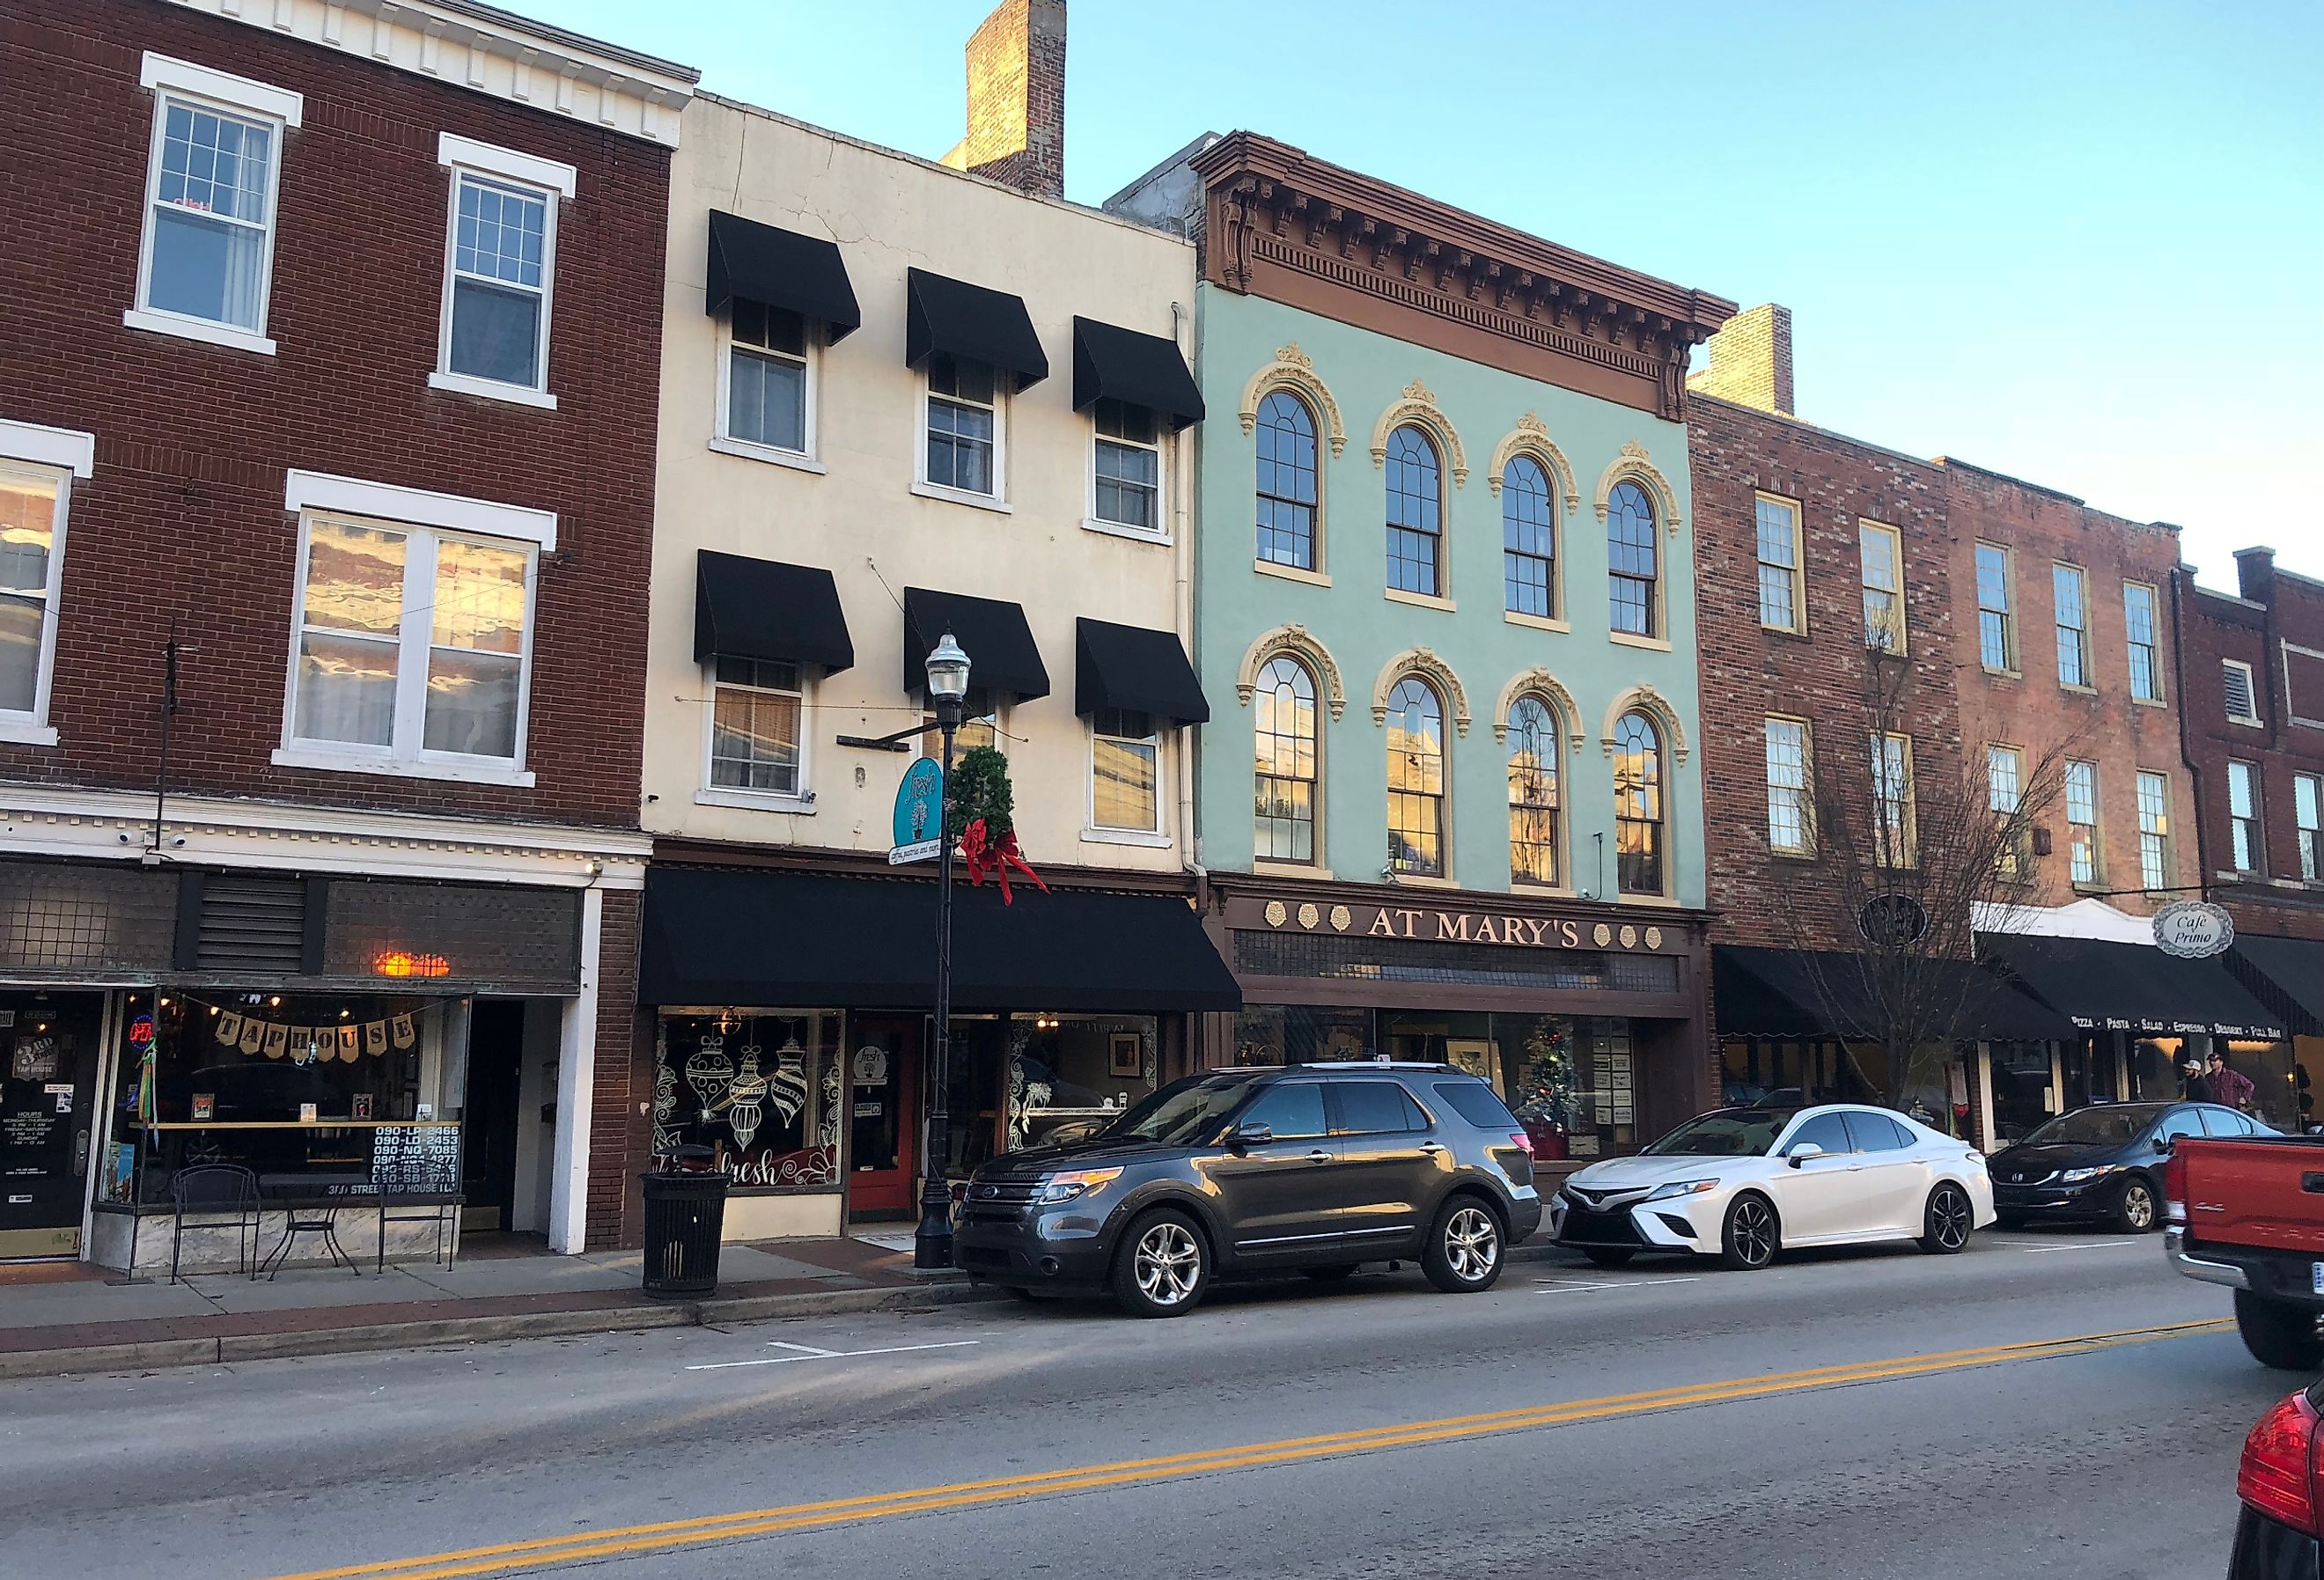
(2076, 1175)
(1065, 1187)
(1682, 1187)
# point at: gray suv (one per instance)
(1313, 1167)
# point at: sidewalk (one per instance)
(57, 1319)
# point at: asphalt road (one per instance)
(1860, 1414)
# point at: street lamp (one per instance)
(947, 669)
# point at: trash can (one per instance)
(684, 1212)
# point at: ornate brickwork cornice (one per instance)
(1283, 225)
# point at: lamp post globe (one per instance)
(948, 672)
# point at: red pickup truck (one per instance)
(2250, 1215)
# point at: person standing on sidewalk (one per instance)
(2230, 1086)
(2194, 1085)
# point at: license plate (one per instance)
(2317, 1271)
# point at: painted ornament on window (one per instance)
(665, 1109)
(746, 1096)
(827, 1133)
(786, 1089)
(709, 1071)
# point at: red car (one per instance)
(2281, 1482)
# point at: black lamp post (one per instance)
(932, 1243)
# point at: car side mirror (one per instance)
(1802, 1152)
(2161, 1144)
(1249, 1135)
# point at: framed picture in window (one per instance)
(1127, 1055)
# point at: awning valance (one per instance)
(744, 936)
(1793, 993)
(2286, 974)
(1001, 656)
(764, 609)
(970, 322)
(2103, 987)
(1134, 668)
(1114, 364)
(781, 268)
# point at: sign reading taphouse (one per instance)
(919, 813)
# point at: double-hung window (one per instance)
(2070, 598)
(2082, 820)
(756, 743)
(1996, 626)
(1790, 817)
(1894, 837)
(1782, 591)
(2141, 609)
(499, 270)
(1284, 761)
(2005, 781)
(1125, 771)
(2308, 812)
(964, 427)
(768, 399)
(2154, 830)
(2243, 818)
(37, 468)
(1528, 540)
(1127, 483)
(208, 255)
(1880, 552)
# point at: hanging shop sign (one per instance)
(315, 1044)
(919, 811)
(1892, 920)
(2193, 928)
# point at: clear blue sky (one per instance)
(2079, 242)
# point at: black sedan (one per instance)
(2103, 1164)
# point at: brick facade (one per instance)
(1017, 98)
(1750, 361)
(2275, 623)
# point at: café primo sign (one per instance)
(2193, 930)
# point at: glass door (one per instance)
(48, 1101)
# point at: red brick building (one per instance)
(326, 463)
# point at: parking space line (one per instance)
(1553, 1285)
(811, 1354)
(2083, 1245)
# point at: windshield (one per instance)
(1730, 1132)
(2113, 1122)
(1183, 1113)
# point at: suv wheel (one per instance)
(1465, 1247)
(1163, 1267)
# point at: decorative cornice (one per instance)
(1648, 700)
(1293, 369)
(1419, 408)
(1531, 437)
(1539, 682)
(1300, 643)
(1634, 465)
(490, 51)
(1421, 661)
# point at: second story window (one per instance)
(2308, 816)
(2082, 820)
(1996, 627)
(2005, 778)
(1533, 793)
(963, 426)
(1528, 540)
(1415, 514)
(769, 382)
(2154, 830)
(1790, 816)
(1125, 771)
(1638, 827)
(1415, 779)
(1782, 591)
(2070, 595)
(1894, 837)
(1128, 467)
(2141, 606)
(1633, 562)
(1287, 496)
(2243, 846)
(1283, 779)
(2242, 692)
(500, 271)
(756, 743)
(34, 501)
(1880, 553)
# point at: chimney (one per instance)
(2256, 574)
(1751, 360)
(1017, 98)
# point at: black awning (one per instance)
(1794, 993)
(1001, 654)
(763, 609)
(1114, 364)
(2130, 987)
(781, 268)
(1133, 668)
(736, 935)
(2286, 973)
(973, 323)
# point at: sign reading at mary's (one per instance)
(919, 813)
(2193, 928)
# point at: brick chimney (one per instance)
(2256, 574)
(1017, 98)
(1750, 360)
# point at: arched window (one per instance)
(1528, 540)
(1287, 481)
(1415, 514)
(1638, 838)
(1284, 781)
(1415, 779)
(1532, 791)
(1631, 554)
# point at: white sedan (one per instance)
(1741, 1184)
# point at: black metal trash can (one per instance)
(685, 1214)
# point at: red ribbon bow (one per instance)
(983, 855)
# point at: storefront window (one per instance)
(760, 1088)
(1267, 1034)
(1069, 1076)
(2274, 1077)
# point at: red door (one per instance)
(883, 1060)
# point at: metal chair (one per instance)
(217, 1188)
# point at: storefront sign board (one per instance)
(2193, 928)
(1428, 923)
(919, 813)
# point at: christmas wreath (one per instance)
(979, 812)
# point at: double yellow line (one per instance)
(630, 1539)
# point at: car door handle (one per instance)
(1434, 1149)
(1319, 1156)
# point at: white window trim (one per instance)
(419, 507)
(240, 97)
(801, 802)
(2251, 720)
(1097, 833)
(2130, 644)
(998, 500)
(726, 443)
(31, 727)
(551, 180)
(66, 448)
(405, 757)
(1093, 523)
